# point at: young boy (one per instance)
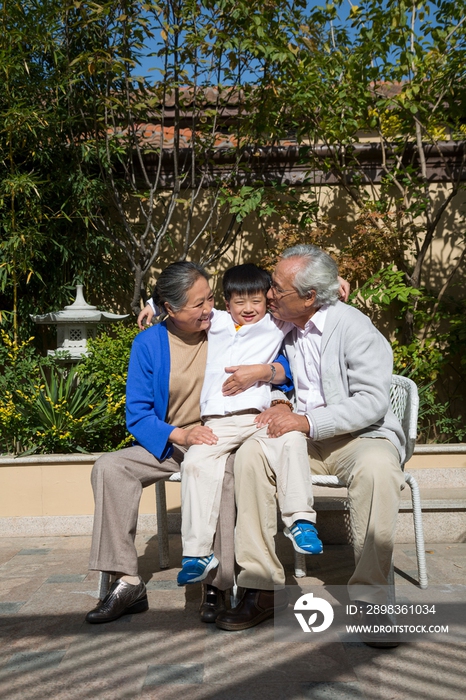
(245, 334)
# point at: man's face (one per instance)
(246, 309)
(284, 301)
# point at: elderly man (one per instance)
(342, 368)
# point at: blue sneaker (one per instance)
(303, 534)
(195, 569)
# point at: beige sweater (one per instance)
(188, 356)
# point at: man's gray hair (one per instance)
(174, 283)
(318, 272)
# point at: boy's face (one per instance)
(247, 309)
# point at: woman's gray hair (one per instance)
(174, 283)
(318, 272)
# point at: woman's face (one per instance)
(195, 314)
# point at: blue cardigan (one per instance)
(147, 389)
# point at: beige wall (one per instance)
(336, 209)
(59, 485)
(51, 485)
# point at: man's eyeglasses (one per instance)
(280, 293)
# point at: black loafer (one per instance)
(122, 599)
(213, 603)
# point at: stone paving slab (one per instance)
(48, 652)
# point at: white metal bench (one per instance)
(405, 404)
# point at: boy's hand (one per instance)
(344, 291)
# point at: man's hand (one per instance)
(269, 414)
(344, 291)
(199, 435)
(145, 317)
(280, 420)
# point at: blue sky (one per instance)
(149, 63)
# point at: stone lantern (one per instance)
(75, 324)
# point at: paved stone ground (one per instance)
(47, 651)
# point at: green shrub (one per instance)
(427, 357)
(62, 415)
(20, 369)
(106, 367)
(45, 407)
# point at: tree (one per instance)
(106, 172)
(119, 167)
(393, 71)
(47, 239)
(170, 152)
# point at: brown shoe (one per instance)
(212, 604)
(377, 640)
(255, 607)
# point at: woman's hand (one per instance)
(145, 317)
(199, 435)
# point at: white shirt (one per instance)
(309, 392)
(255, 343)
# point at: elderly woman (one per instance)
(165, 377)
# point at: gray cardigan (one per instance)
(356, 365)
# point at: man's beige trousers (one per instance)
(371, 469)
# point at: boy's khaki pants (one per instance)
(202, 476)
